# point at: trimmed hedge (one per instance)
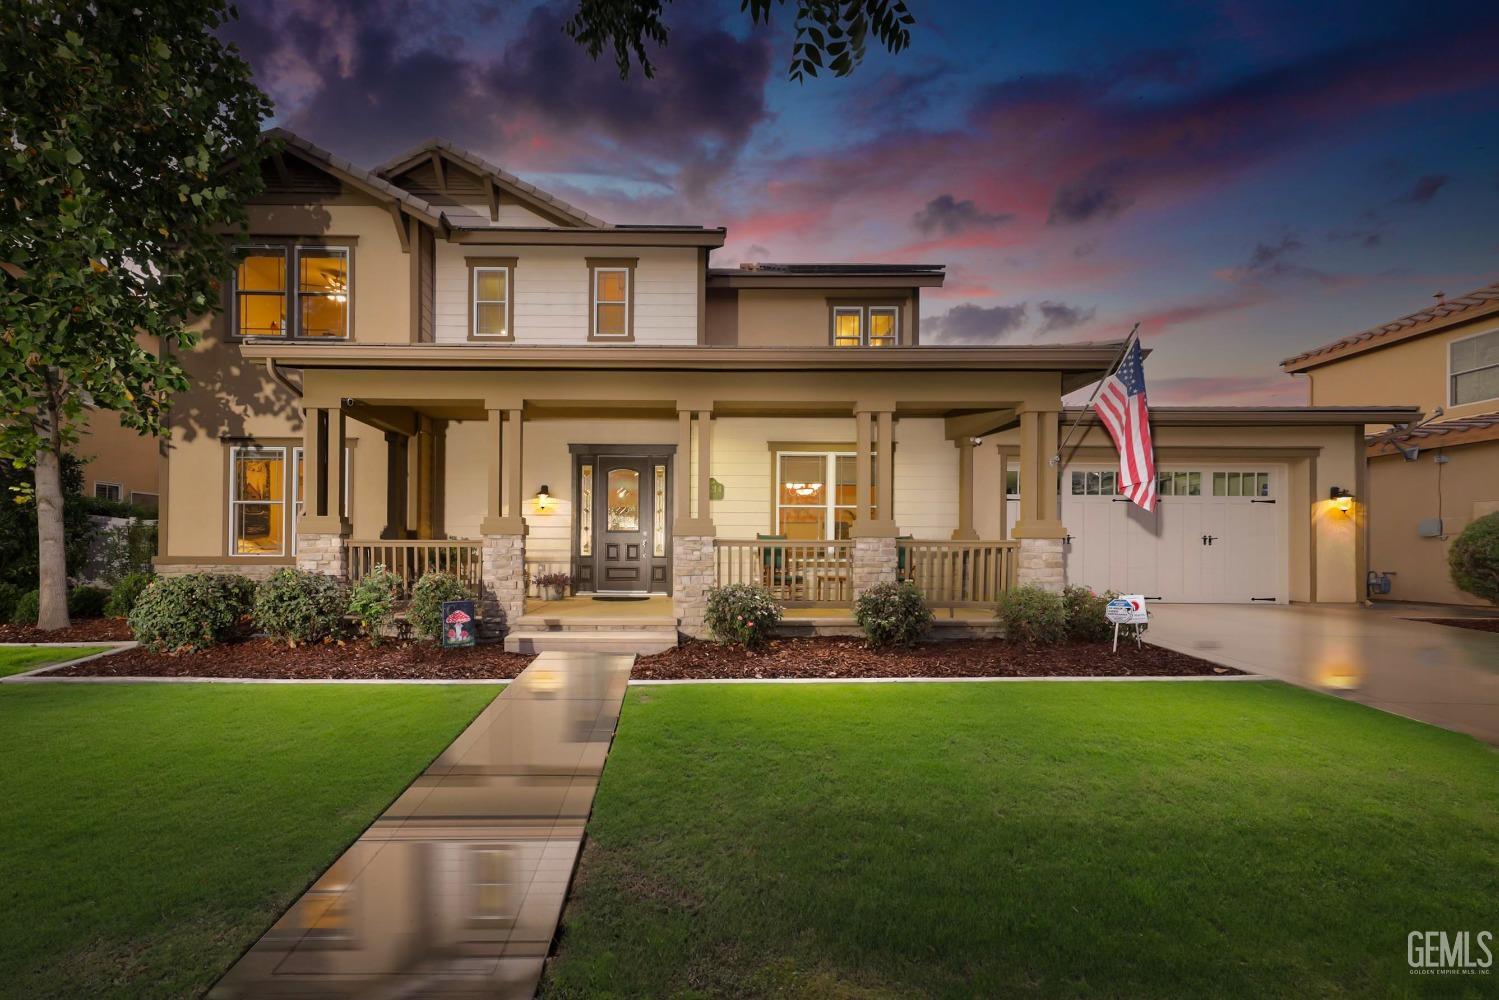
(893, 614)
(742, 614)
(192, 612)
(1086, 618)
(1033, 615)
(1473, 559)
(298, 606)
(425, 610)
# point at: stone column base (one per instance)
(693, 574)
(1041, 564)
(875, 562)
(502, 586)
(321, 552)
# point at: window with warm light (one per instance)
(321, 292)
(816, 495)
(861, 325)
(611, 302)
(492, 302)
(257, 501)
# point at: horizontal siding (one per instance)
(551, 288)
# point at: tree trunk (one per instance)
(52, 565)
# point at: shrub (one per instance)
(1086, 620)
(425, 611)
(122, 550)
(1034, 615)
(1473, 558)
(743, 614)
(9, 595)
(87, 601)
(299, 606)
(892, 614)
(123, 597)
(191, 612)
(27, 607)
(372, 603)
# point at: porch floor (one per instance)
(655, 609)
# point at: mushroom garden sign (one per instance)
(457, 624)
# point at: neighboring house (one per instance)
(118, 463)
(435, 364)
(1426, 481)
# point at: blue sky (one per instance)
(1243, 179)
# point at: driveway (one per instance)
(1439, 674)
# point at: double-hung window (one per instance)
(857, 325)
(816, 495)
(491, 287)
(611, 287)
(1473, 363)
(257, 501)
(292, 291)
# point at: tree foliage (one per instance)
(130, 135)
(830, 34)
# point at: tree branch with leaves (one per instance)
(129, 138)
(830, 34)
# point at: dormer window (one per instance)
(861, 324)
(491, 298)
(321, 292)
(611, 284)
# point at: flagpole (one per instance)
(1088, 407)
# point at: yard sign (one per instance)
(457, 624)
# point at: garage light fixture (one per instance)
(543, 497)
(1342, 498)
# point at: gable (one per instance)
(464, 196)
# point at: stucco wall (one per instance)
(798, 317)
(1411, 372)
(552, 293)
(115, 454)
(1404, 493)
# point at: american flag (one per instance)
(1122, 407)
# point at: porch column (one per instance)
(397, 468)
(323, 528)
(1006, 453)
(964, 531)
(875, 559)
(1039, 527)
(431, 471)
(693, 557)
(503, 547)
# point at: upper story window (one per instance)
(491, 298)
(316, 305)
(1473, 364)
(865, 325)
(611, 291)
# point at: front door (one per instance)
(623, 517)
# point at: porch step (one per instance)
(640, 640)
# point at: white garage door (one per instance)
(1217, 535)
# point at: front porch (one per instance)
(665, 498)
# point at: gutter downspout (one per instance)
(276, 373)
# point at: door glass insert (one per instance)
(624, 500)
(658, 544)
(1241, 484)
(585, 511)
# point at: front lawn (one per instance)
(1135, 839)
(19, 659)
(153, 832)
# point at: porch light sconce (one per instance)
(543, 497)
(1342, 498)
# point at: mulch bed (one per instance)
(265, 658)
(83, 630)
(849, 657)
(1476, 624)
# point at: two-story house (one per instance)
(1426, 481)
(434, 364)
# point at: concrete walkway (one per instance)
(456, 890)
(1439, 674)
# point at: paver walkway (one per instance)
(1439, 674)
(456, 890)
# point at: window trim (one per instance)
(596, 265)
(1452, 375)
(118, 487)
(230, 548)
(864, 306)
(292, 247)
(830, 454)
(475, 265)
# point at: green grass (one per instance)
(19, 659)
(1158, 839)
(152, 832)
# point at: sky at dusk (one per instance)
(1244, 179)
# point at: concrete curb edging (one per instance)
(114, 647)
(1192, 678)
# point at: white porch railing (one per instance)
(959, 574)
(410, 558)
(795, 573)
